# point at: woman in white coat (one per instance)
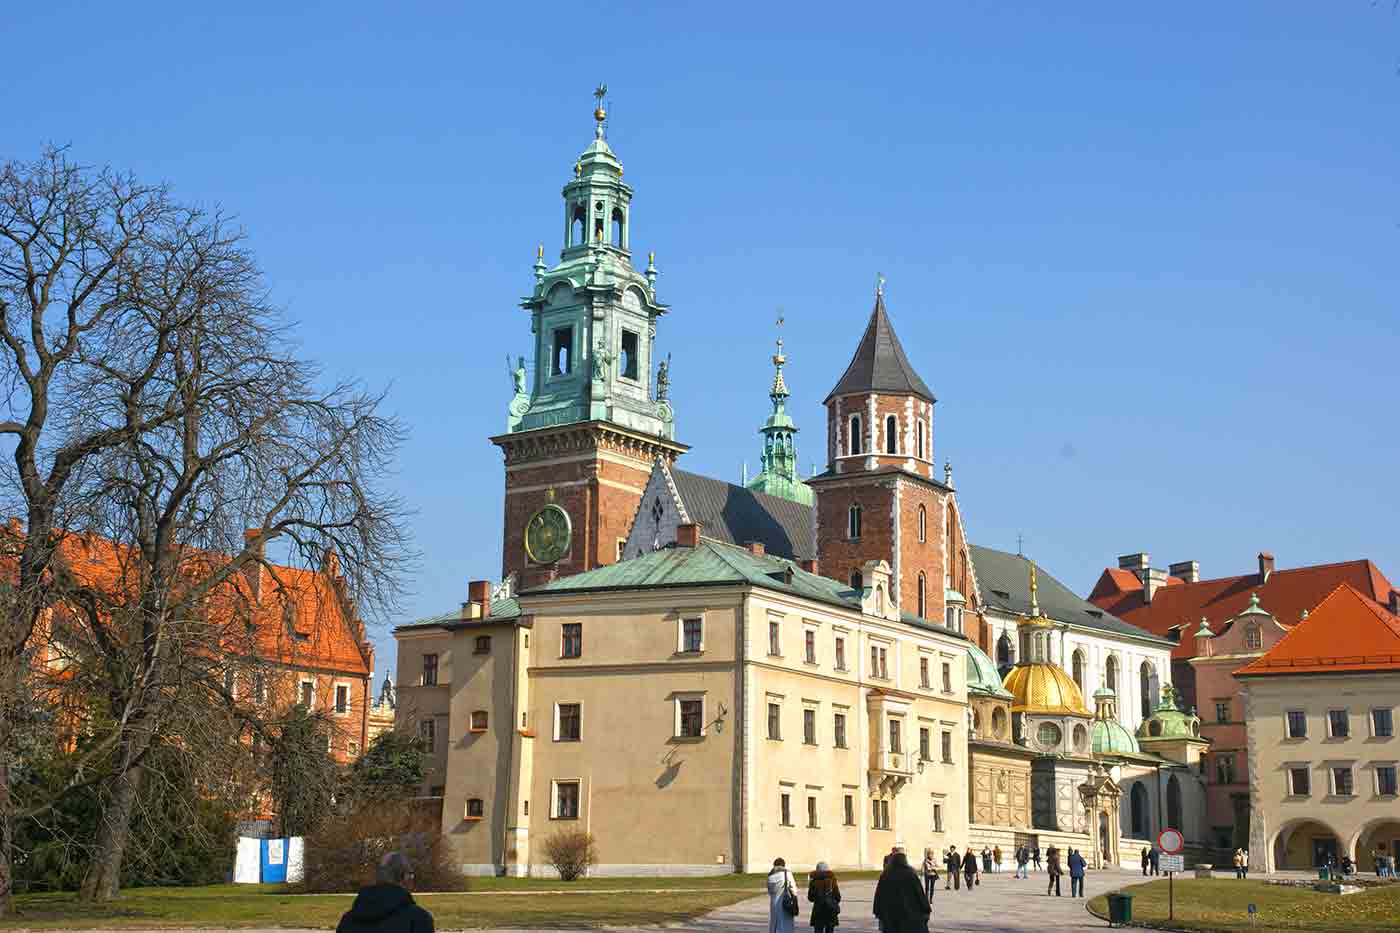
(779, 881)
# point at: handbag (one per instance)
(789, 900)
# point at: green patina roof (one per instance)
(1112, 738)
(502, 610)
(982, 674)
(1169, 721)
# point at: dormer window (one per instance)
(855, 439)
(1253, 638)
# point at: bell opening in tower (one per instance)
(563, 341)
(629, 355)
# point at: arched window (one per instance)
(880, 600)
(617, 228)
(891, 435)
(857, 582)
(923, 527)
(1253, 638)
(854, 442)
(923, 582)
(919, 438)
(577, 226)
(1145, 688)
(1078, 665)
(1174, 803)
(853, 522)
(1006, 657)
(1141, 825)
(1110, 673)
(962, 572)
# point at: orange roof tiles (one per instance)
(1346, 633)
(1286, 595)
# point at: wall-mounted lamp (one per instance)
(718, 722)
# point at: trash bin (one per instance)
(1120, 908)
(1324, 873)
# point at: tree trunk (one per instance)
(103, 879)
(6, 838)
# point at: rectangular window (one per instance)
(947, 677)
(1338, 723)
(1341, 782)
(878, 662)
(1225, 769)
(1300, 781)
(880, 814)
(923, 673)
(810, 645)
(840, 653)
(785, 810)
(1297, 724)
(1385, 780)
(566, 800)
(563, 350)
(430, 670)
(308, 694)
(812, 812)
(1222, 711)
(342, 698)
(1382, 724)
(947, 746)
(775, 721)
(848, 804)
(809, 727)
(838, 730)
(483, 645)
(692, 714)
(692, 633)
(572, 640)
(775, 644)
(427, 731)
(630, 361)
(353, 748)
(938, 817)
(894, 735)
(479, 720)
(925, 745)
(476, 808)
(570, 722)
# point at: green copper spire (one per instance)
(778, 473)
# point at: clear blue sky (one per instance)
(1147, 259)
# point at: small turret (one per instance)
(778, 463)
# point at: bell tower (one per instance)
(587, 419)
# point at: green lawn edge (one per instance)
(1220, 905)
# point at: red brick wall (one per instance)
(926, 557)
(838, 556)
(873, 433)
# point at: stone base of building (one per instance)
(1009, 839)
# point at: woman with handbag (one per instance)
(825, 895)
(782, 898)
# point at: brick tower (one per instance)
(878, 499)
(586, 425)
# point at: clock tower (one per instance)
(593, 413)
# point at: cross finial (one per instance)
(600, 112)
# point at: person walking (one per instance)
(954, 868)
(1076, 874)
(386, 906)
(996, 859)
(1023, 857)
(1146, 860)
(825, 896)
(1246, 865)
(1155, 858)
(969, 867)
(1052, 865)
(1035, 856)
(782, 909)
(986, 860)
(930, 868)
(900, 904)
(1239, 864)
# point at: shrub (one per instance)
(343, 852)
(572, 852)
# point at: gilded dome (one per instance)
(1044, 688)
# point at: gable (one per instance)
(660, 513)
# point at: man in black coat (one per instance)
(386, 906)
(900, 902)
(969, 867)
(954, 863)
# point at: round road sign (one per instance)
(1170, 841)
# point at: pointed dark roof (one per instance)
(880, 364)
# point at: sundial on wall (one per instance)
(547, 535)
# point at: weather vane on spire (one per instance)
(600, 114)
(879, 283)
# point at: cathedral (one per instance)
(707, 675)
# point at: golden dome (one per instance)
(1044, 688)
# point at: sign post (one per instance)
(1171, 842)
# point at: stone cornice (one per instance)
(552, 441)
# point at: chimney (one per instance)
(1152, 581)
(809, 564)
(688, 535)
(1187, 570)
(756, 548)
(1266, 566)
(479, 596)
(253, 570)
(1137, 563)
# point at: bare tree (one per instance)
(160, 411)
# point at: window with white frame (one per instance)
(947, 748)
(896, 731)
(923, 674)
(809, 645)
(1338, 724)
(1297, 722)
(947, 677)
(1299, 781)
(838, 730)
(839, 654)
(925, 744)
(427, 731)
(811, 812)
(809, 725)
(308, 694)
(775, 720)
(880, 814)
(1253, 637)
(692, 635)
(1385, 779)
(785, 809)
(342, 699)
(565, 800)
(848, 806)
(938, 817)
(879, 661)
(775, 638)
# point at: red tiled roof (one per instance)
(1286, 595)
(1346, 632)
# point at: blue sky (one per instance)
(1146, 258)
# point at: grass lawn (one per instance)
(1223, 904)
(491, 902)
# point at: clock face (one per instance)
(547, 535)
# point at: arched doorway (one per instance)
(1305, 844)
(1141, 812)
(1174, 804)
(1383, 834)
